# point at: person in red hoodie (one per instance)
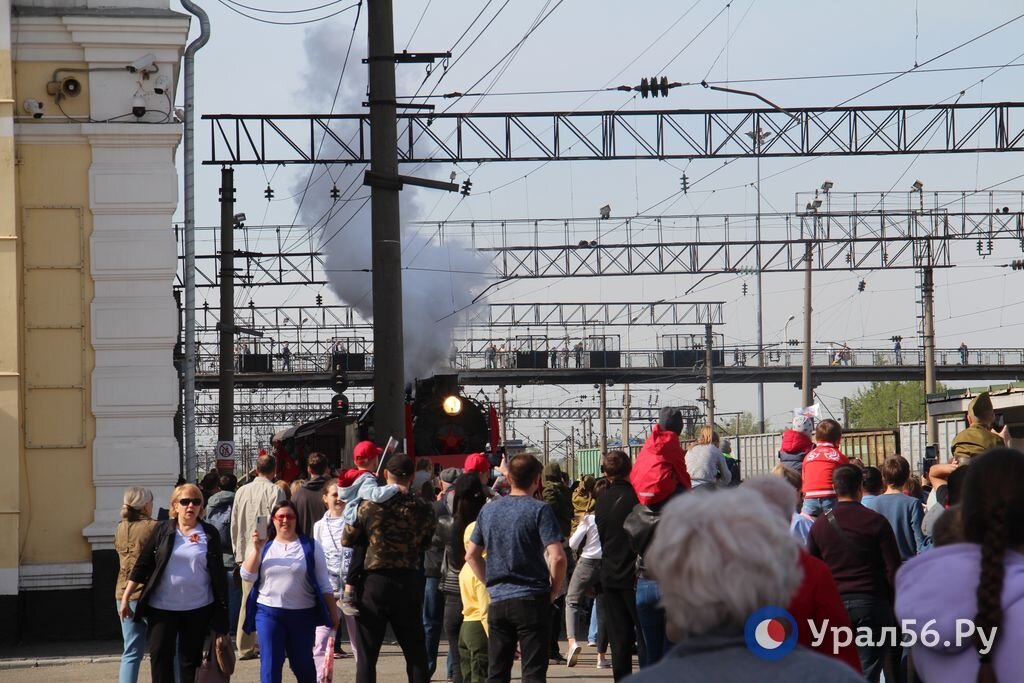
(660, 468)
(819, 464)
(796, 442)
(816, 601)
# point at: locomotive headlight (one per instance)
(452, 405)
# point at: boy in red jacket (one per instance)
(819, 464)
(660, 468)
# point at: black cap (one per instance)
(401, 466)
(671, 419)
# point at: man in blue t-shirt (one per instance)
(516, 531)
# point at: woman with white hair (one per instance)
(817, 600)
(732, 534)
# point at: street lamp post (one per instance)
(758, 136)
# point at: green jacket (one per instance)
(974, 440)
(556, 494)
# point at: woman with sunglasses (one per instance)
(290, 597)
(184, 588)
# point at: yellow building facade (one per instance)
(88, 389)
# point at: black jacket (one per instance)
(618, 561)
(435, 553)
(153, 561)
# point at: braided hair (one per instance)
(993, 495)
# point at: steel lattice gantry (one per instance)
(238, 139)
(695, 244)
(341, 317)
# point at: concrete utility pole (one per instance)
(709, 374)
(571, 452)
(547, 443)
(389, 354)
(807, 387)
(928, 299)
(603, 410)
(625, 419)
(226, 388)
(503, 415)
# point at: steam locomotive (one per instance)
(441, 423)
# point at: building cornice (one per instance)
(98, 39)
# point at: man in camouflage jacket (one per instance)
(398, 532)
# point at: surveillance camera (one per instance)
(34, 107)
(162, 85)
(145, 63)
(139, 105)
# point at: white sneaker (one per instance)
(574, 655)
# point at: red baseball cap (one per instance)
(476, 462)
(366, 450)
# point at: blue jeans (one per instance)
(592, 635)
(234, 601)
(652, 621)
(817, 506)
(433, 616)
(286, 632)
(134, 635)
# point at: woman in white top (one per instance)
(585, 578)
(290, 597)
(327, 534)
(185, 590)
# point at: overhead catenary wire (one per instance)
(300, 22)
(303, 10)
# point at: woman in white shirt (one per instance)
(585, 578)
(185, 590)
(291, 596)
(327, 534)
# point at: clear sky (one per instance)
(253, 67)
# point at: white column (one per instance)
(133, 192)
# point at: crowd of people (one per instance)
(665, 561)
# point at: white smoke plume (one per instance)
(440, 281)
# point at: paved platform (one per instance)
(91, 662)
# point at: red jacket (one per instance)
(819, 465)
(817, 599)
(660, 467)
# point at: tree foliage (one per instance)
(876, 406)
(744, 423)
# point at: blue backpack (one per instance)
(220, 519)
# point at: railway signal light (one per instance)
(339, 382)
(339, 405)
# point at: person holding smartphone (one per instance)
(184, 588)
(291, 596)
